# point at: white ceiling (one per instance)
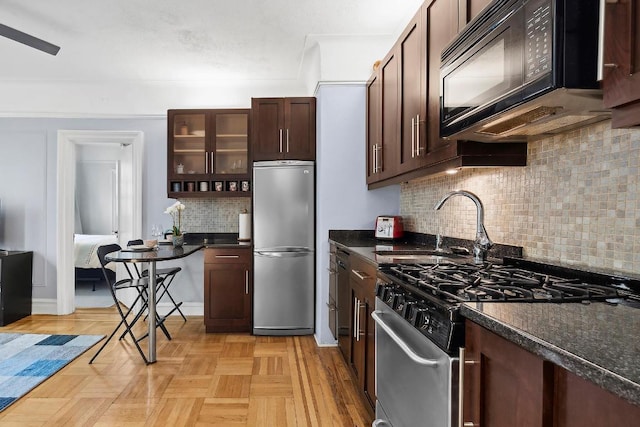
(186, 40)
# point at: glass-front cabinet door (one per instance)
(208, 153)
(231, 143)
(189, 148)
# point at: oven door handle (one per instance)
(408, 351)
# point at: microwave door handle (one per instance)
(408, 351)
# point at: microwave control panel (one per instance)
(538, 22)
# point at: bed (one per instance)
(85, 254)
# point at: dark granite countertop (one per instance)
(215, 240)
(596, 341)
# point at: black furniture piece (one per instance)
(127, 315)
(165, 277)
(16, 269)
(163, 253)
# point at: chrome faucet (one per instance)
(482, 243)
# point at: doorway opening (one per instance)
(129, 199)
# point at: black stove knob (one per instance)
(416, 312)
(408, 307)
(380, 288)
(398, 301)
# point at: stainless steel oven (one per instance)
(416, 381)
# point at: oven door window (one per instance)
(484, 75)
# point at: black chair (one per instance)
(165, 277)
(140, 285)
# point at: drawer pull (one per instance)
(228, 256)
(360, 275)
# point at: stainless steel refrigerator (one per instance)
(284, 247)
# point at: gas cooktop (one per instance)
(429, 295)
(496, 282)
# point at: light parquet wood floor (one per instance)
(199, 380)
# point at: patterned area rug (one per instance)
(26, 360)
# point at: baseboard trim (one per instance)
(50, 306)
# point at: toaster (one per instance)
(389, 227)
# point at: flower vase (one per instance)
(178, 241)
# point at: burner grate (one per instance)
(493, 282)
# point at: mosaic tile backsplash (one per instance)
(216, 215)
(576, 202)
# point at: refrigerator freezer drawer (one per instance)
(283, 296)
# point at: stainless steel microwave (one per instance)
(522, 68)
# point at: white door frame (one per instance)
(67, 142)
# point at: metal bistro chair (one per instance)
(165, 277)
(140, 285)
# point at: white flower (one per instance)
(175, 211)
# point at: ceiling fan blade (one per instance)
(29, 40)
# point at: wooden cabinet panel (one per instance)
(283, 128)
(441, 17)
(227, 290)
(267, 118)
(300, 128)
(581, 403)
(505, 385)
(621, 77)
(374, 126)
(413, 88)
(362, 279)
(388, 147)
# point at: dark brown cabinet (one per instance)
(283, 128)
(382, 128)
(404, 140)
(208, 153)
(227, 290)
(621, 77)
(506, 385)
(581, 403)
(362, 361)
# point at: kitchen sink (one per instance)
(408, 252)
(421, 256)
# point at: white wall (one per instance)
(343, 201)
(28, 185)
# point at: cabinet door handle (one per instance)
(462, 362)
(418, 148)
(206, 162)
(246, 282)
(374, 169)
(227, 256)
(355, 316)
(413, 137)
(280, 136)
(287, 140)
(212, 162)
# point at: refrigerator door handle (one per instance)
(288, 254)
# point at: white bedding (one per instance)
(85, 250)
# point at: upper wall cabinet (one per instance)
(283, 128)
(208, 153)
(621, 74)
(403, 140)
